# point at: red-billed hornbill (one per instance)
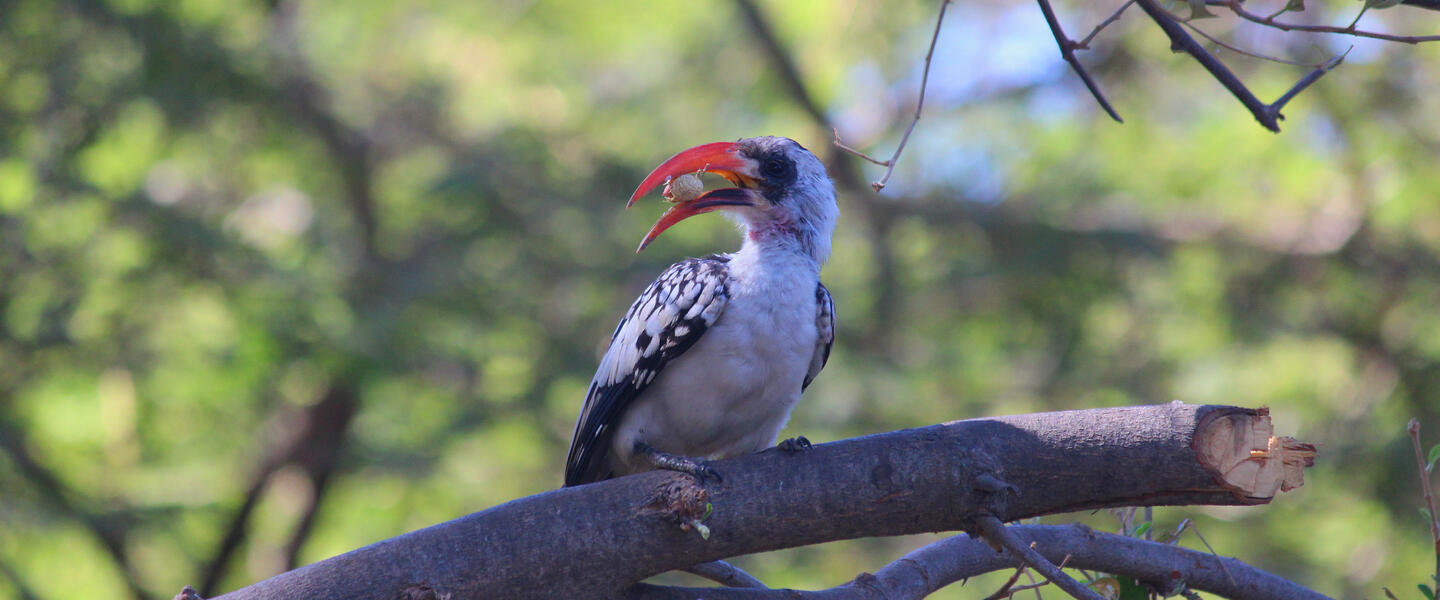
(712, 357)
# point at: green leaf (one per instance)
(1131, 589)
(1434, 456)
(1295, 5)
(1425, 589)
(1380, 4)
(1144, 527)
(1198, 10)
(1425, 512)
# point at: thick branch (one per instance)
(594, 540)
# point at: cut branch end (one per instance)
(1247, 458)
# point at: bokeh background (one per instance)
(281, 279)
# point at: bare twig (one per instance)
(919, 106)
(1309, 78)
(934, 566)
(1067, 51)
(841, 145)
(1242, 51)
(1188, 524)
(1239, 10)
(1181, 41)
(994, 530)
(1004, 591)
(1414, 429)
(1267, 114)
(726, 574)
(1085, 43)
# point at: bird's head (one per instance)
(782, 194)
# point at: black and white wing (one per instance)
(825, 326)
(662, 324)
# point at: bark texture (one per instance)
(595, 540)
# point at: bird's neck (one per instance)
(778, 241)
(780, 252)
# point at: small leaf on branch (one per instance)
(1425, 589)
(1434, 456)
(1140, 531)
(1380, 4)
(1295, 5)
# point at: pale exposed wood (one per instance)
(1244, 452)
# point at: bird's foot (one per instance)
(794, 445)
(697, 468)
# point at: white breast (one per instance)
(732, 392)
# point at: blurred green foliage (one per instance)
(364, 254)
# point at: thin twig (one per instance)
(1085, 43)
(1067, 51)
(842, 146)
(1414, 429)
(1309, 78)
(1242, 51)
(919, 105)
(994, 530)
(1239, 10)
(1211, 549)
(1004, 591)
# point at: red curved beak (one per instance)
(721, 158)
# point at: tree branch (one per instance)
(994, 530)
(595, 540)
(1267, 114)
(1239, 10)
(922, 572)
(919, 106)
(1067, 51)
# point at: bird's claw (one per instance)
(795, 444)
(704, 471)
(694, 467)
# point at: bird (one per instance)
(712, 357)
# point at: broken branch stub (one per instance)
(1246, 456)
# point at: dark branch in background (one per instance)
(23, 591)
(924, 571)
(919, 106)
(111, 530)
(1067, 51)
(350, 149)
(878, 219)
(315, 447)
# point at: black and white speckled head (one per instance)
(782, 195)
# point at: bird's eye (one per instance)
(776, 168)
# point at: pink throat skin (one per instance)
(774, 228)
